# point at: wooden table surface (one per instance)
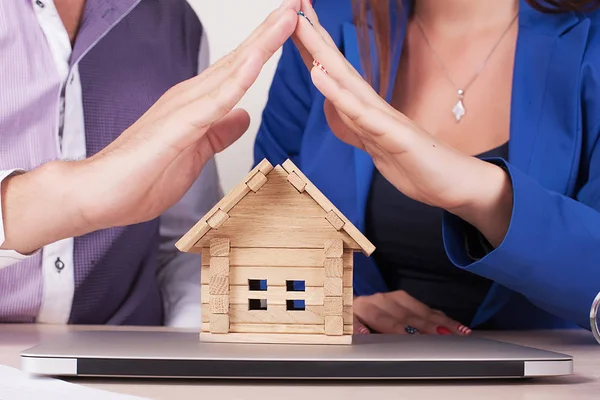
(583, 384)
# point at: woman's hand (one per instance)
(415, 162)
(397, 312)
(151, 165)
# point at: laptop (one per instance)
(130, 354)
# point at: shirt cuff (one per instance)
(7, 257)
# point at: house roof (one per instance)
(252, 183)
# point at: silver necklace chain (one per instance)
(459, 109)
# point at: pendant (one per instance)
(459, 110)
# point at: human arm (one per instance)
(153, 163)
(7, 257)
(492, 196)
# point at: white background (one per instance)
(228, 23)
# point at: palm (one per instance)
(415, 162)
(155, 162)
(402, 164)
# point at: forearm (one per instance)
(550, 252)
(39, 207)
(488, 205)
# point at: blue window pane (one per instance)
(295, 286)
(295, 305)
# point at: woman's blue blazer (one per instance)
(547, 269)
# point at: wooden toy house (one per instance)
(277, 261)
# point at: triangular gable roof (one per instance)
(252, 182)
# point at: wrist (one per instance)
(38, 207)
(488, 206)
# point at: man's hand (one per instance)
(152, 164)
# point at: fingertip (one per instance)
(289, 20)
(290, 4)
(464, 330)
(363, 330)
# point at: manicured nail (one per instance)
(300, 13)
(465, 330)
(442, 330)
(318, 64)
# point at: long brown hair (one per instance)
(377, 14)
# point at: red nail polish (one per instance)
(318, 64)
(442, 330)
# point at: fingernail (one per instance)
(465, 330)
(300, 13)
(318, 64)
(442, 330)
(363, 331)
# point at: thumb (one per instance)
(340, 125)
(226, 131)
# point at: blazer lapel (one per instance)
(545, 100)
(99, 17)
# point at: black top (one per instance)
(410, 251)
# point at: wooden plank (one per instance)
(296, 182)
(277, 328)
(277, 314)
(278, 257)
(334, 248)
(273, 231)
(334, 325)
(277, 276)
(272, 328)
(187, 242)
(257, 182)
(334, 220)
(276, 338)
(217, 219)
(219, 266)
(333, 287)
(234, 197)
(334, 267)
(220, 247)
(219, 284)
(367, 247)
(333, 306)
(219, 304)
(275, 295)
(219, 323)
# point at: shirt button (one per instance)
(59, 264)
(40, 4)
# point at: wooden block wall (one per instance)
(218, 286)
(321, 275)
(333, 304)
